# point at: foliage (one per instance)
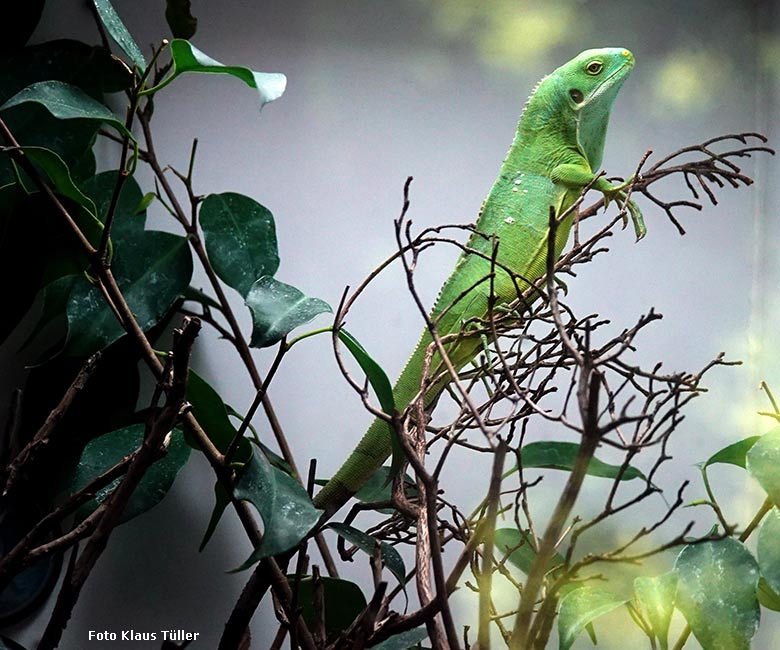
(114, 294)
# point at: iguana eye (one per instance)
(576, 95)
(594, 67)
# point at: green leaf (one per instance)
(116, 28)
(762, 463)
(277, 309)
(66, 102)
(187, 58)
(343, 602)
(518, 546)
(145, 202)
(58, 173)
(716, 592)
(221, 501)
(240, 239)
(768, 549)
(562, 455)
(178, 15)
(733, 454)
(655, 598)
(196, 295)
(212, 414)
(579, 608)
(403, 640)
(376, 376)
(379, 487)
(767, 596)
(104, 452)
(366, 543)
(285, 507)
(152, 268)
(55, 300)
(129, 219)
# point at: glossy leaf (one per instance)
(716, 592)
(562, 455)
(187, 58)
(65, 102)
(763, 461)
(178, 15)
(240, 239)
(284, 506)
(277, 309)
(104, 452)
(403, 640)
(343, 602)
(733, 454)
(221, 502)
(212, 414)
(581, 607)
(153, 269)
(366, 543)
(116, 28)
(376, 376)
(768, 549)
(128, 218)
(518, 546)
(655, 599)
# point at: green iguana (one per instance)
(556, 152)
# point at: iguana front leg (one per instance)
(576, 176)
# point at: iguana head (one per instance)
(589, 84)
(594, 77)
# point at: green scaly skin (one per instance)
(557, 149)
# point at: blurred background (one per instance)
(378, 91)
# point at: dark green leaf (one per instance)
(768, 549)
(655, 599)
(212, 414)
(379, 486)
(403, 640)
(762, 463)
(285, 507)
(716, 592)
(221, 501)
(178, 15)
(343, 602)
(518, 546)
(562, 455)
(733, 454)
(104, 452)
(366, 543)
(187, 58)
(58, 173)
(376, 376)
(277, 309)
(579, 608)
(240, 239)
(65, 102)
(145, 202)
(129, 220)
(116, 28)
(152, 268)
(55, 300)
(91, 68)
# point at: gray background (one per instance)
(382, 90)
